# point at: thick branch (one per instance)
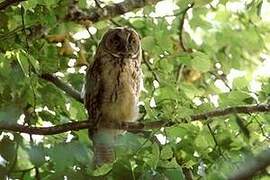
(7, 3)
(252, 166)
(92, 15)
(75, 126)
(63, 86)
(107, 12)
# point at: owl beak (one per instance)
(126, 48)
(124, 52)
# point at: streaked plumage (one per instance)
(112, 88)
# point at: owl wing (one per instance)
(103, 139)
(92, 91)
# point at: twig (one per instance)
(222, 78)
(252, 166)
(63, 86)
(181, 27)
(215, 140)
(91, 36)
(30, 65)
(97, 3)
(24, 30)
(145, 60)
(6, 3)
(115, 23)
(261, 128)
(131, 126)
(182, 44)
(180, 72)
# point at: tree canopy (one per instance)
(204, 108)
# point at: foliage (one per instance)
(217, 67)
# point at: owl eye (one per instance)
(115, 43)
(115, 40)
(132, 40)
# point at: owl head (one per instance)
(121, 42)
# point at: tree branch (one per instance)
(131, 126)
(252, 166)
(63, 86)
(188, 173)
(109, 11)
(92, 15)
(181, 27)
(6, 3)
(148, 65)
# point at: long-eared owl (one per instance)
(112, 88)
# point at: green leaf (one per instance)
(201, 2)
(37, 155)
(174, 174)
(148, 43)
(201, 62)
(104, 169)
(166, 152)
(82, 3)
(9, 114)
(77, 111)
(22, 60)
(30, 4)
(240, 83)
(7, 149)
(23, 161)
(233, 98)
(154, 157)
(138, 24)
(34, 63)
(122, 168)
(190, 90)
(49, 60)
(204, 140)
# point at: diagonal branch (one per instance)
(89, 16)
(181, 27)
(107, 12)
(252, 166)
(6, 3)
(63, 86)
(133, 127)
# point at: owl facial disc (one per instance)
(122, 42)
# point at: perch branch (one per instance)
(75, 126)
(63, 86)
(252, 166)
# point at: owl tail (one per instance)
(104, 142)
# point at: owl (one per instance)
(112, 89)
